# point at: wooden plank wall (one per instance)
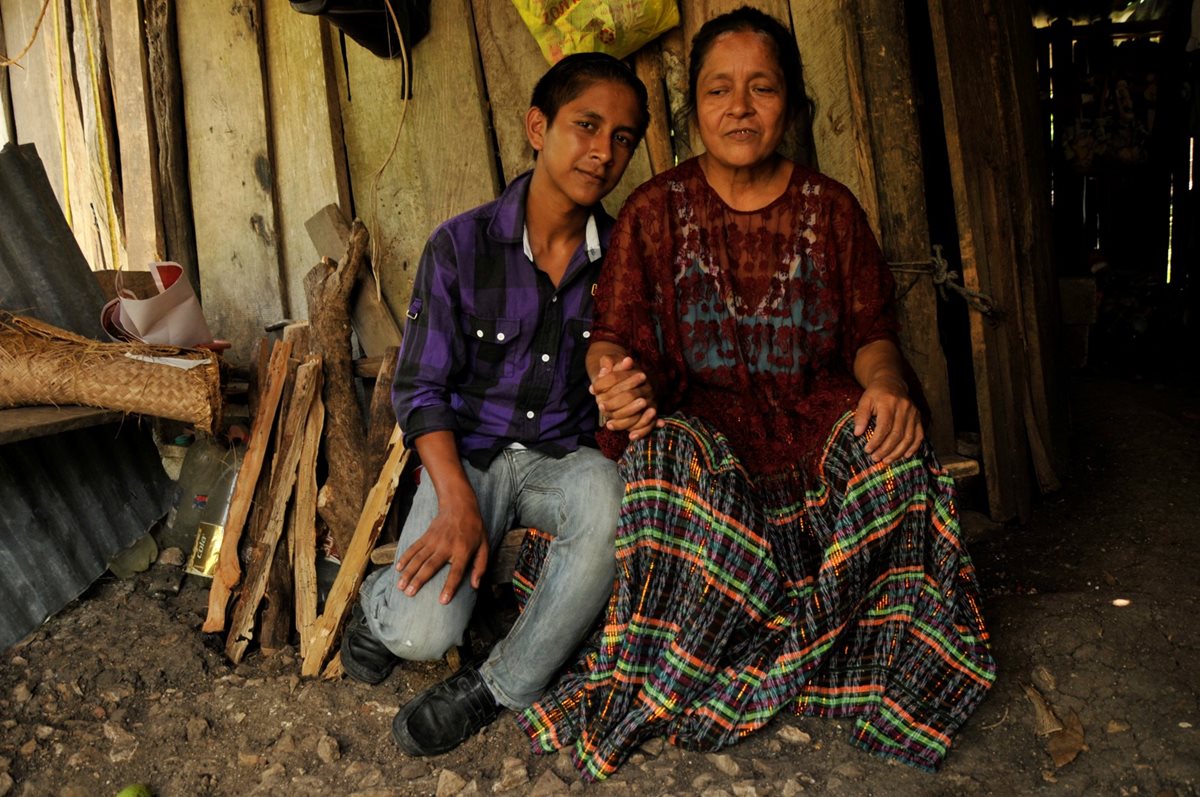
(229, 168)
(282, 117)
(305, 126)
(979, 164)
(8, 129)
(441, 163)
(140, 207)
(33, 88)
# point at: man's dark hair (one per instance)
(574, 74)
(750, 20)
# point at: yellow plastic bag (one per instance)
(616, 27)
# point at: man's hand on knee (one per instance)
(457, 538)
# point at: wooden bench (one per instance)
(26, 423)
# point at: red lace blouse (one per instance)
(748, 320)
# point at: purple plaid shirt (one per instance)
(492, 350)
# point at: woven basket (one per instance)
(42, 364)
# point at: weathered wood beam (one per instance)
(230, 170)
(354, 562)
(382, 414)
(329, 286)
(229, 571)
(894, 138)
(304, 528)
(972, 114)
(168, 139)
(308, 381)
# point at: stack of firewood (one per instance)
(304, 406)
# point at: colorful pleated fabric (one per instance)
(849, 597)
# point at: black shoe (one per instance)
(444, 716)
(365, 658)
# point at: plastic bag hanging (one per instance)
(616, 27)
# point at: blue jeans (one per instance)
(576, 500)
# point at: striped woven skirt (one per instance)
(849, 596)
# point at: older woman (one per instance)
(786, 539)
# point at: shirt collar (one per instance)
(591, 240)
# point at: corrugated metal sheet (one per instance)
(68, 502)
(42, 271)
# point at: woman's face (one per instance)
(741, 99)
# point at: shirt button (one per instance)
(499, 336)
(530, 415)
(587, 334)
(479, 333)
(555, 299)
(545, 358)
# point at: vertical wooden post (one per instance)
(1035, 267)
(301, 121)
(825, 32)
(139, 173)
(895, 140)
(168, 137)
(230, 170)
(9, 129)
(973, 115)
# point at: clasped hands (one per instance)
(625, 397)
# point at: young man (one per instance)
(491, 389)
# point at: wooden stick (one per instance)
(382, 415)
(275, 631)
(229, 571)
(308, 382)
(304, 526)
(354, 561)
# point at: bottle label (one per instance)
(207, 550)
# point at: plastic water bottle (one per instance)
(201, 503)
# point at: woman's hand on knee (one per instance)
(898, 430)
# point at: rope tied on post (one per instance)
(944, 278)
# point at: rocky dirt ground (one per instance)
(1092, 607)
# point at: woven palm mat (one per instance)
(41, 364)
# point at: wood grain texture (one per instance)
(329, 287)
(283, 481)
(512, 65)
(354, 561)
(96, 150)
(373, 322)
(34, 88)
(895, 141)
(48, 74)
(229, 569)
(826, 34)
(142, 210)
(170, 140)
(230, 169)
(978, 174)
(307, 171)
(648, 62)
(1045, 404)
(442, 164)
(8, 127)
(303, 529)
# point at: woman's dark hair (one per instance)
(751, 20)
(571, 76)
